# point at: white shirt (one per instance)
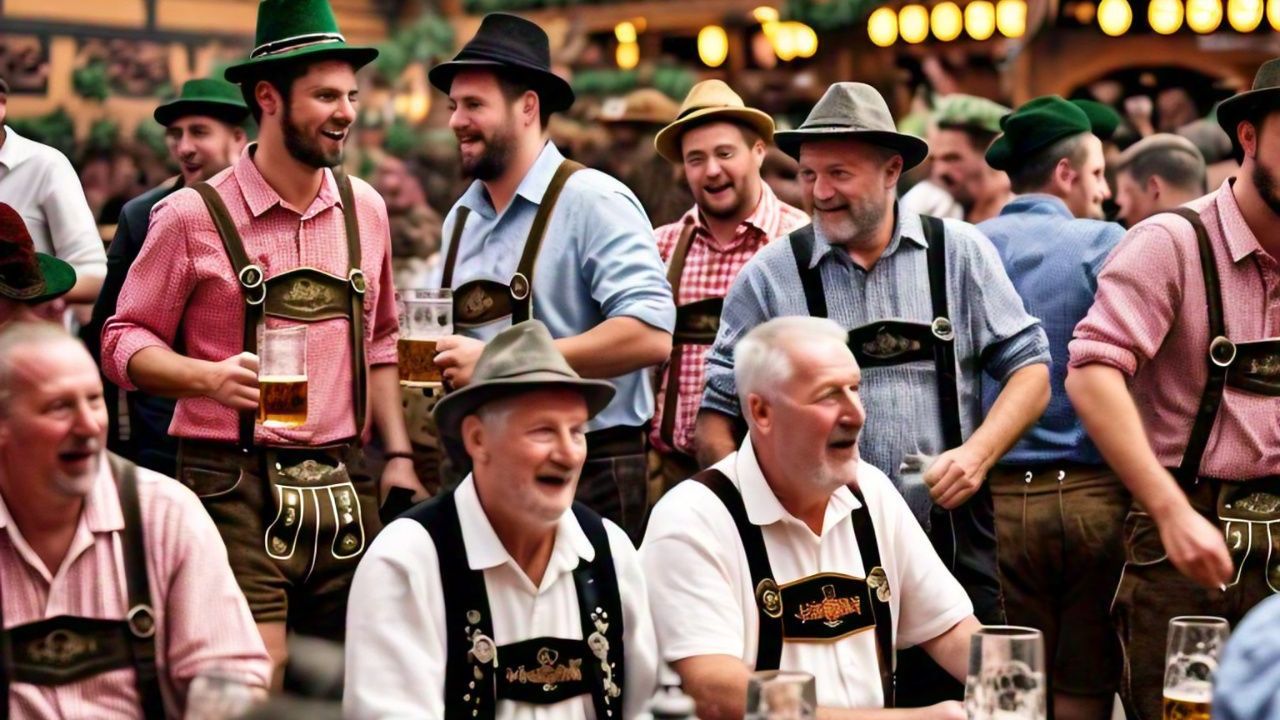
(704, 602)
(39, 182)
(396, 626)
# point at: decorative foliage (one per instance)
(830, 14)
(55, 129)
(427, 38)
(151, 134)
(104, 135)
(672, 81)
(90, 81)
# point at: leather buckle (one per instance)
(942, 329)
(252, 278)
(358, 281)
(519, 286)
(142, 621)
(1222, 352)
(770, 598)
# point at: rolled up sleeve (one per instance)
(72, 228)
(624, 273)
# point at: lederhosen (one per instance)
(540, 671)
(67, 649)
(825, 607)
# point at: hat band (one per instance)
(275, 47)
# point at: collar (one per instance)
(1240, 240)
(766, 209)
(532, 188)
(763, 507)
(1039, 203)
(16, 149)
(261, 197)
(485, 550)
(905, 225)
(101, 512)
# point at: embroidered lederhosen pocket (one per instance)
(306, 494)
(698, 322)
(543, 671)
(892, 342)
(481, 302)
(1255, 367)
(308, 295)
(1250, 512)
(826, 607)
(66, 649)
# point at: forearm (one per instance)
(951, 649)
(1020, 404)
(384, 401)
(85, 290)
(615, 347)
(160, 371)
(713, 437)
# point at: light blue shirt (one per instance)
(1247, 684)
(598, 260)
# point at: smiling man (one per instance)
(278, 240)
(503, 597)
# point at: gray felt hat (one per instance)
(855, 111)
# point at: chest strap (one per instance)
(520, 286)
(671, 396)
(471, 683)
(769, 609)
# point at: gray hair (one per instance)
(20, 333)
(762, 359)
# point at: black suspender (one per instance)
(802, 241)
(600, 605)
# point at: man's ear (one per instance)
(759, 411)
(268, 98)
(1247, 134)
(474, 439)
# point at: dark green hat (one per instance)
(1043, 121)
(294, 30)
(26, 275)
(1265, 93)
(213, 97)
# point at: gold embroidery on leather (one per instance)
(549, 672)
(830, 609)
(62, 648)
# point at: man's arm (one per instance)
(715, 436)
(951, 648)
(73, 231)
(616, 347)
(120, 254)
(388, 418)
(157, 370)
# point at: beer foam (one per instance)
(1199, 692)
(282, 378)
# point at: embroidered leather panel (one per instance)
(480, 302)
(1257, 367)
(544, 671)
(308, 295)
(67, 649)
(891, 342)
(826, 607)
(698, 322)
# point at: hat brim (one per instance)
(912, 149)
(1232, 110)
(59, 277)
(357, 55)
(455, 406)
(554, 92)
(667, 141)
(228, 112)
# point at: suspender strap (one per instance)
(670, 401)
(1221, 353)
(451, 257)
(522, 308)
(869, 549)
(769, 610)
(944, 351)
(600, 605)
(141, 617)
(810, 277)
(355, 275)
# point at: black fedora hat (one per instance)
(1265, 93)
(515, 46)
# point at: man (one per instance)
(39, 182)
(1156, 174)
(891, 276)
(1246, 686)
(204, 133)
(1058, 507)
(293, 502)
(599, 286)
(964, 126)
(117, 592)
(544, 611)
(720, 143)
(630, 123)
(1177, 389)
(831, 548)
(31, 283)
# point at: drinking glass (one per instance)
(425, 317)
(781, 695)
(282, 377)
(221, 695)
(1006, 674)
(1195, 644)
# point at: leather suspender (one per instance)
(869, 549)
(810, 277)
(600, 601)
(670, 401)
(451, 257)
(351, 218)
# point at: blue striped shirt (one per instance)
(1053, 260)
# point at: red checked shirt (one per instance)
(709, 270)
(183, 279)
(1149, 321)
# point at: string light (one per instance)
(713, 45)
(980, 19)
(1011, 18)
(882, 26)
(1115, 17)
(946, 21)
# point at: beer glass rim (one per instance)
(771, 675)
(1201, 620)
(285, 330)
(1009, 631)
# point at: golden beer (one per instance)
(1186, 706)
(417, 362)
(283, 400)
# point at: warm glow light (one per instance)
(1115, 17)
(628, 55)
(946, 21)
(913, 23)
(980, 19)
(1273, 14)
(713, 45)
(1245, 15)
(1011, 18)
(625, 31)
(806, 40)
(765, 14)
(1165, 16)
(1204, 16)
(882, 26)
(786, 42)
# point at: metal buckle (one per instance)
(142, 621)
(1222, 352)
(770, 598)
(357, 280)
(519, 286)
(252, 278)
(942, 329)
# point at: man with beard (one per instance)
(964, 127)
(204, 130)
(831, 549)
(600, 286)
(1155, 174)
(1178, 388)
(1058, 506)
(720, 143)
(930, 308)
(502, 597)
(117, 593)
(277, 241)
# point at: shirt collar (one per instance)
(1241, 241)
(758, 221)
(261, 197)
(101, 512)
(905, 225)
(1037, 203)
(532, 188)
(763, 507)
(485, 550)
(15, 150)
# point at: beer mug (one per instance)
(1195, 644)
(221, 695)
(282, 377)
(425, 317)
(1006, 674)
(781, 695)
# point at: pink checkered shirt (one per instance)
(1149, 321)
(709, 270)
(183, 278)
(202, 620)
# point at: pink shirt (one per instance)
(202, 619)
(183, 278)
(1149, 321)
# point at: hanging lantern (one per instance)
(625, 31)
(1273, 14)
(882, 26)
(786, 42)
(713, 45)
(980, 19)
(1245, 15)
(1165, 16)
(627, 55)
(765, 14)
(806, 40)
(1204, 16)
(1011, 18)
(1115, 17)
(913, 23)
(946, 21)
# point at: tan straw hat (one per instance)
(707, 101)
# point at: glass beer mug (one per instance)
(1195, 645)
(1006, 674)
(425, 317)
(282, 377)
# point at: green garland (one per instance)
(427, 38)
(56, 129)
(672, 81)
(829, 14)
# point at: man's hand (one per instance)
(457, 356)
(399, 473)
(956, 475)
(234, 381)
(1195, 546)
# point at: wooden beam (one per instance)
(660, 15)
(19, 26)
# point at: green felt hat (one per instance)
(206, 96)
(297, 30)
(26, 275)
(1265, 93)
(969, 111)
(1043, 121)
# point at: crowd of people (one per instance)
(838, 437)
